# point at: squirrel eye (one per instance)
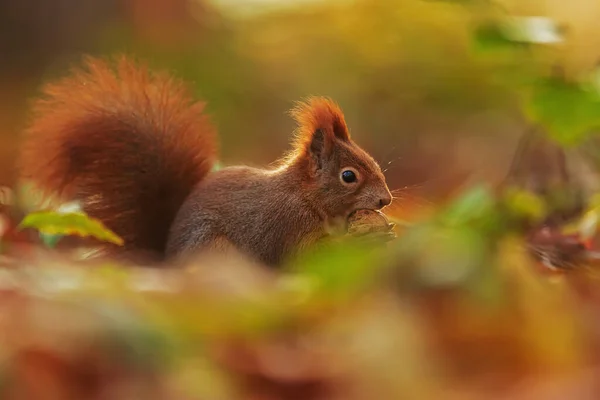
(348, 176)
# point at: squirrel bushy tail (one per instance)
(128, 143)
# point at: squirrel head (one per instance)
(341, 176)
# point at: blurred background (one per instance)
(440, 92)
(415, 94)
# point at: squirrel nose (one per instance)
(385, 200)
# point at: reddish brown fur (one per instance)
(129, 143)
(318, 113)
(136, 150)
(272, 215)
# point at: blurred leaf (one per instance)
(511, 33)
(524, 204)
(53, 223)
(486, 285)
(592, 81)
(534, 30)
(450, 256)
(50, 240)
(340, 270)
(474, 204)
(587, 226)
(566, 110)
(490, 37)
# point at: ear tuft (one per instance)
(319, 114)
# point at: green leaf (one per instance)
(490, 37)
(525, 204)
(56, 223)
(338, 271)
(50, 240)
(567, 111)
(474, 204)
(512, 33)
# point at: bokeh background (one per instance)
(440, 102)
(415, 94)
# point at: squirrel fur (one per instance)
(137, 151)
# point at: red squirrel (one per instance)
(138, 151)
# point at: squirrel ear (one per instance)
(319, 147)
(339, 128)
(320, 123)
(320, 113)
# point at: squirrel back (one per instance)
(128, 143)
